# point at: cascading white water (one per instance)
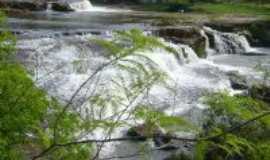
(208, 49)
(81, 5)
(61, 65)
(229, 43)
(49, 7)
(86, 6)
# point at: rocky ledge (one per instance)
(41, 5)
(33, 5)
(189, 35)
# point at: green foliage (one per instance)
(154, 118)
(7, 41)
(73, 152)
(201, 150)
(22, 106)
(181, 156)
(27, 114)
(138, 72)
(130, 42)
(240, 107)
(232, 8)
(226, 112)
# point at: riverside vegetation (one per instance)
(34, 125)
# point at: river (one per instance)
(55, 49)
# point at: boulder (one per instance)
(61, 7)
(188, 35)
(237, 81)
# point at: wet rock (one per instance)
(261, 92)
(143, 131)
(138, 132)
(161, 139)
(61, 7)
(237, 81)
(186, 35)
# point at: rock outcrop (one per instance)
(41, 5)
(188, 35)
(32, 5)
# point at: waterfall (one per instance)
(208, 49)
(49, 7)
(60, 65)
(86, 6)
(228, 43)
(80, 5)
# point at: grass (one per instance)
(249, 9)
(232, 8)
